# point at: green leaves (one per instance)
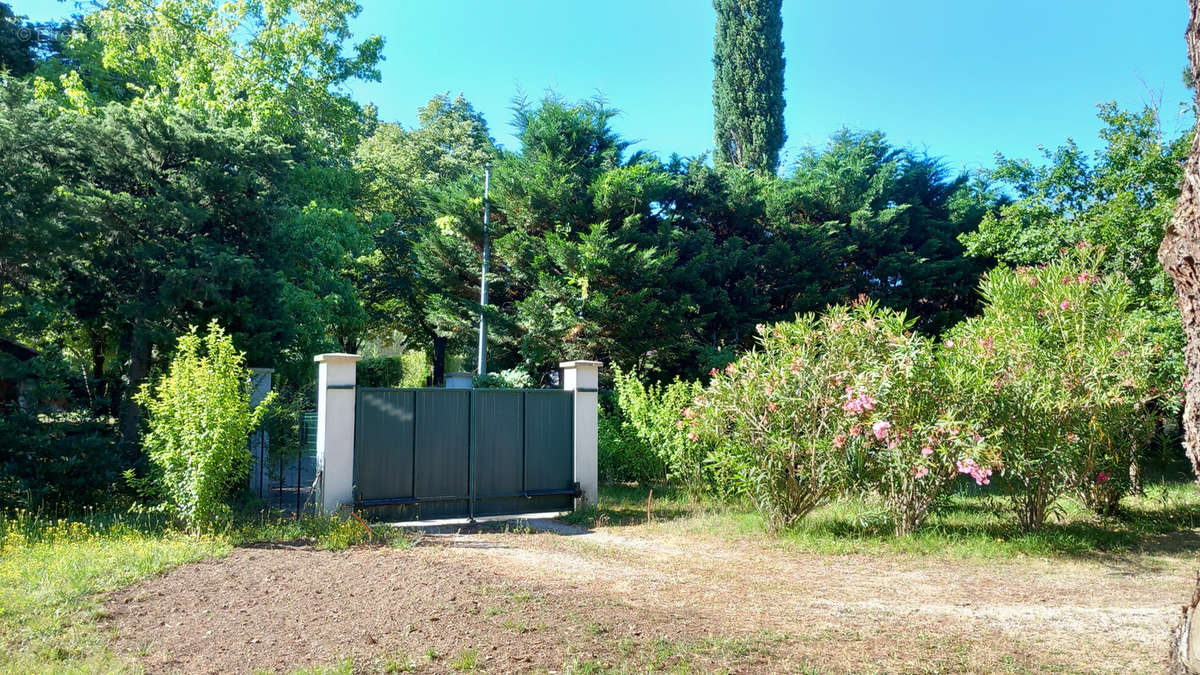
(199, 420)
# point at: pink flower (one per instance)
(713, 372)
(858, 404)
(856, 430)
(839, 441)
(926, 451)
(730, 369)
(1065, 304)
(949, 344)
(692, 436)
(772, 407)
(880, 429)
(1071, 438)
(1066, 280)
(976, 437)
(688, 413)
(980, 474)
(921, 472)
(1102, 477)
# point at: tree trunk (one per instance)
(1180, 257)
(139, 367)
(439, 360)
(97, 344)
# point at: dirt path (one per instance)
(504, 602)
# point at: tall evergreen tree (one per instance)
(748, 83)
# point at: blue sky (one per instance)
(960, 79)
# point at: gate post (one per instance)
(583, 377)
(335, 429)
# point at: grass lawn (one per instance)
(53, 572)
(973, 524)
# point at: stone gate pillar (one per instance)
(583, 377)
(336, 379)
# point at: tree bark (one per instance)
(139, 367)
(1180, 257)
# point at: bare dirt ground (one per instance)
(609, 600)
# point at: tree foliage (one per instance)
(748, 83)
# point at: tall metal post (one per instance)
(483, 284)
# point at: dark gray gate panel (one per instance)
(499, 469)
(443, 442)
(383, 448)
(434, 453)
(549, 429)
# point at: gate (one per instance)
(445, 453)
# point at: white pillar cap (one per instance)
(577, 364)
(337, 358)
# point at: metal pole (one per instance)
(483, 284)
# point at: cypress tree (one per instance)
(748, 83)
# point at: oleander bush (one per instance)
(1062, 369)
(846, 401)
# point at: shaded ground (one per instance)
(610, 599)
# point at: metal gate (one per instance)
(444, 453)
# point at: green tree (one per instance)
(891, 218)
(276, 67)
(748, 83)
(1120, 198)
(18, 41)
(411, 282)
(158, 219)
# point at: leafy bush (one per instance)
(199, 419)
(654, 415)
(57, 451)
(1063, 369)
(848, 400)
(407, 370)
(379, 371)
(623, 456)
(59, 461)
(414, 369)
(513, 378)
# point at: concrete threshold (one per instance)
(537, 521)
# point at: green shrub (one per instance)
(60, 462)
(199, 419)
(623, 456)
(1062, 367)
(414, 369)
(654, 415)
(513, 378)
